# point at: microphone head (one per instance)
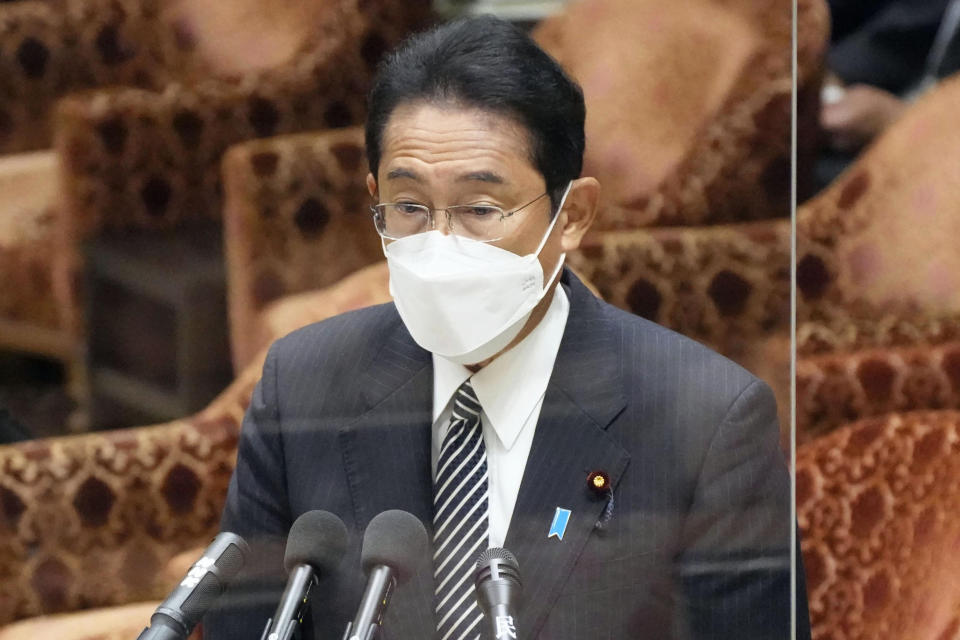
(231, 552)
(396, 539)
(204, 583)
(497, 563)
(317, 538)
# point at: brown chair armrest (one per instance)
(91, 520)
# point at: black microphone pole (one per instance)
(373, 605)
(393, 544)
(315, 547)
(289, 612)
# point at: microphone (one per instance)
(499, 590)
(392, 545)
(206, 580)
(317, 542)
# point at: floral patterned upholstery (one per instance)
(877, 505)
(296, 219)
(861, 282)
(836, 388)
(147, 155)
(718, 284)
(727, 286)
(723, 102)
(878, 315)
(50, 49)
(88, 521)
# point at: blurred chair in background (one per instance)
(296, 218)
(145, 157)
(878, 384)
(878, 317)
(92, 520)
(689, 134)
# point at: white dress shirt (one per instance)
(510, 390)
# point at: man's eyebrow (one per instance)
(482, 176)
(403, 173)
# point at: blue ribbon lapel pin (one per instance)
(559, 525)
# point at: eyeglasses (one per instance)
(483, 222)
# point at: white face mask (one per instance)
(464, 299)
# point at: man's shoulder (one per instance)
(345, 338)
(650, 337)
(661, 356)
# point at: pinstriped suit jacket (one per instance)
(698, 542)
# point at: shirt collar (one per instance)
(510, 387)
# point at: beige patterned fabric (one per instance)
(688, 110)
(90, 520)
(296, 219)
(145, 154)
(151, 159)
(877, 259)
(878, 306)
(50, 49)
(27, 241)
(836, 388)
(877, 505)
(719, 284)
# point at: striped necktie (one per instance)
(460, 519)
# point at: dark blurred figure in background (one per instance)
(883, 54)
(10, 430)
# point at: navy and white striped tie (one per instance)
(460, 519)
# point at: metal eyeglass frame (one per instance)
(431, 219)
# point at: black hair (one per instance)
(486, 63)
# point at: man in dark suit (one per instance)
(487, 398)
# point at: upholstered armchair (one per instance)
(688, 130)
(688, 109)
(878, 313)
(296, 218)
(51, 49)
(113, 518)
(91, 520)
(877, 263)
(145, 156)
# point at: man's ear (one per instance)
(372, 186)
(579, 211)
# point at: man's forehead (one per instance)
(454, 123)
(489, 177)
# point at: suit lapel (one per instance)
(387, 458)
(585, 394)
